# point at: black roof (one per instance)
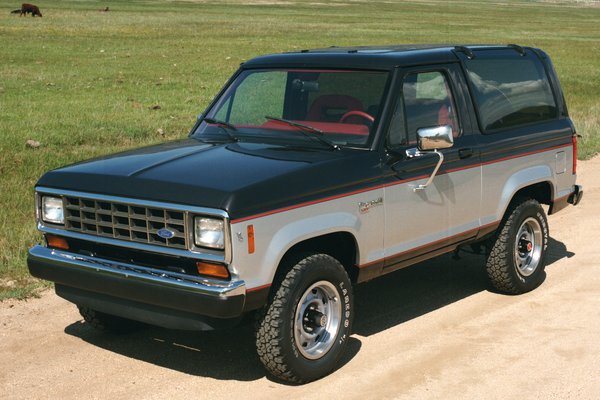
(370, 57)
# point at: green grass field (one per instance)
(83, 82)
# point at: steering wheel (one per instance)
(357, 113)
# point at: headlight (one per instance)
(52, 210)
(209, 232)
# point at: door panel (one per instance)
(447, 211)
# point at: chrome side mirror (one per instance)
(435, 138)
(432, 139)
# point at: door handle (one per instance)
(465, 153)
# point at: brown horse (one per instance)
(27, 8)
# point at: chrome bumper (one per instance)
(221, 299)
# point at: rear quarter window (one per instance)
(510, 90)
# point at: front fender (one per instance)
(291, 234)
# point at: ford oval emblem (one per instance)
(166, 233)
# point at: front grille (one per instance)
(125, 221)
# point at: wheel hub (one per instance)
(314, 319)
(525, 246)
(317, 320)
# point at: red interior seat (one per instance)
(445, 117)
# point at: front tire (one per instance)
(516, 261)
(304, 329)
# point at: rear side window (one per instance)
(510, 90)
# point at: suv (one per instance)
(311, 172)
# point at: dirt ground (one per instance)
(429, 331)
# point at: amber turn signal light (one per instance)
(251, 247)
(216, 270)
(57, 242)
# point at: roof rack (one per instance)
(518, 48)
(466, 50)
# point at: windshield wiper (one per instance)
(305, 130)
(226, 126)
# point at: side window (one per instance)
(510, 90)
(426, 101)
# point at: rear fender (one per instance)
(522, 179)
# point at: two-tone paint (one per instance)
(365, 198)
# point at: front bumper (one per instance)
(140, 290)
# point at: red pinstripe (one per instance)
(324, 199)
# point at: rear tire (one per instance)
(516, 260)
(108, 323)
(304, 330)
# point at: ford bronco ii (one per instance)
(308, 173)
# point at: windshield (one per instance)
(331, 108)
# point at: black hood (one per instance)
(241, 178)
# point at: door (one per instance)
(422, 223)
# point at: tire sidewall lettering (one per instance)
(346, 313)
(545, 230)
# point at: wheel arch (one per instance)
(341, 245)
(541, 191)
(534, 183)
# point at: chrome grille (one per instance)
(125, 221)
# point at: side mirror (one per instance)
(435, 138)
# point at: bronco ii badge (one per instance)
(364, 207)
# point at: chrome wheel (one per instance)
(528, 246)
(317, 320)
